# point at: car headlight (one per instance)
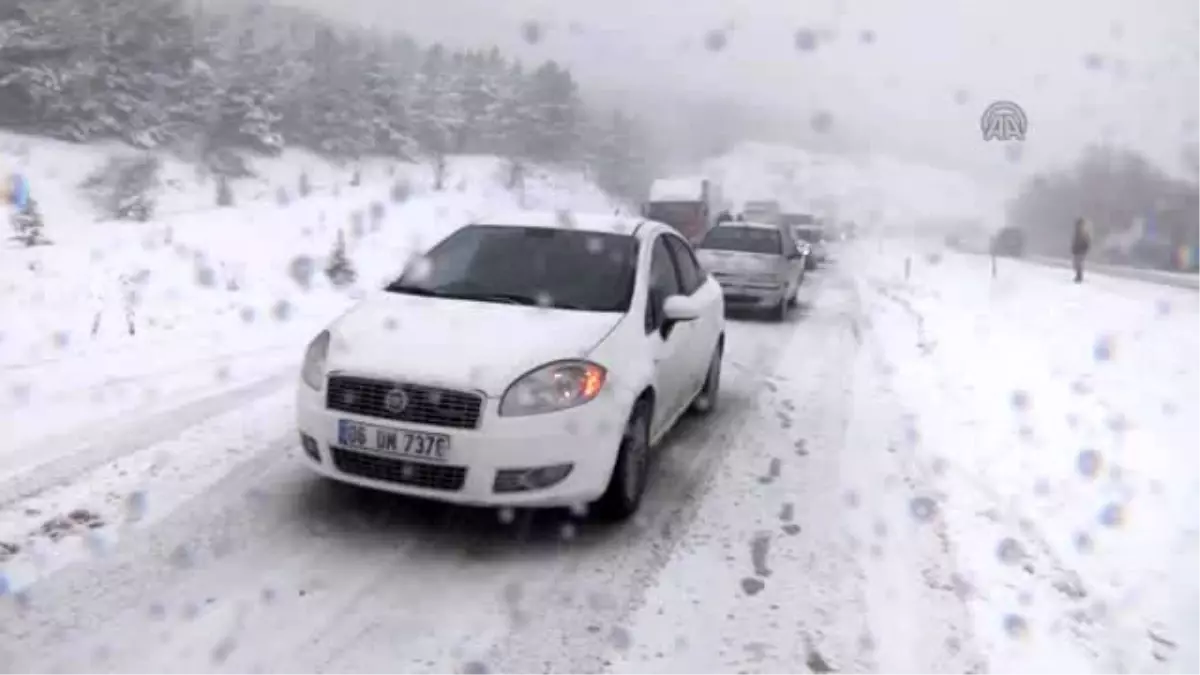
(313, 372)
(554, 386)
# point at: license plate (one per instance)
(416, 444)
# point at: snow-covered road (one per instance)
(751, 513)
(853, 506)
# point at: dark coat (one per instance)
(1081, 241)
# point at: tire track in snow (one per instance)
(102, 446)
(924, 548)
(582, 636)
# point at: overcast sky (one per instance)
(891, 73)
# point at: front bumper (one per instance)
(481, 464)
(744, 294)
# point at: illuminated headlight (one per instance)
(552, 387)
(313, 372)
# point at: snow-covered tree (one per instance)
(619, 156)
(28, 225)
(339, 269)
(157, 72)
(552, 100)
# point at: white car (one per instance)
(520, 363)
(758, 265)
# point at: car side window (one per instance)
(790, 244)
(691, 277)
(664, 282)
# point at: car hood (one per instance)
(461, 344)
(738, 262)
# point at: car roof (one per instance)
(606, 223)
(752, 224)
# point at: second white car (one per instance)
(520, 362)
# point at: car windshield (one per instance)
(558, 268)
(744, 240)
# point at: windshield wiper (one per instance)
(511, 298)
(417, 290)
(462, 294)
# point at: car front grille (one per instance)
(403, 472)
(423, 405)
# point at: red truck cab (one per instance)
(690, 205)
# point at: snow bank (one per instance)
(1062, 418)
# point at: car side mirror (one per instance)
(681, 308)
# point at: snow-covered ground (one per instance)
(947, 472)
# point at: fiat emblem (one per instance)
(395, 401)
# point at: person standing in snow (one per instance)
(1081, 242)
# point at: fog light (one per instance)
(538, 478)
(310, 447)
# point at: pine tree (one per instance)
(552, 99)
(387, 97)
(618, 156)
(28, 225)
(246, 73)
(340, 270)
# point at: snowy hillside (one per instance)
(883, 189)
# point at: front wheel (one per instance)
(706, 401)
(628, 481)
(779, 312)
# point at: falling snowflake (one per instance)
(805, 40)
(1089, 463)
(531, 32)
(923, 508)
(1009, 551)
(301, 270)
(716, 40)
(1103, 349)
(822, 122)
(1016, 626)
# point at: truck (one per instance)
(762, 211)
(688, 204)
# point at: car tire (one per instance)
(627, 484)
(710, 394)
(780, 311)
